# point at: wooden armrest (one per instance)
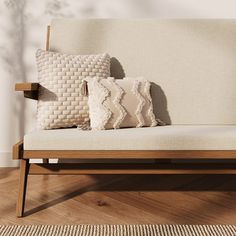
(30, 89)
(17, 151)
(26, 86)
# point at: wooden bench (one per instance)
(160, 161)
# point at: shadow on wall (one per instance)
(13, 61)
(58, 8)
(160, 106)
(117, 71)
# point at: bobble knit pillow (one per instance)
(120, 103)
(61, 102)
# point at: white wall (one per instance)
(22, 31)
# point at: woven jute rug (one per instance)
(118, 230)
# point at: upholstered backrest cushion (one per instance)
(61, 102)
(120, 103)
(191, 62)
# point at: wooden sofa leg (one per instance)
(45, 161)
(24, 170)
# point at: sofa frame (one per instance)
(164, 161)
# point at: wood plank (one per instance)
(140, 168)
(26, 86)
(130, 154)
(17, 151)
(48, 38)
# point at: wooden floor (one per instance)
(163, 199)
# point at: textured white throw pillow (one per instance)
(120, 103)
(61, 102)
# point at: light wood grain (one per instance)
(131, 154)
(26, 86)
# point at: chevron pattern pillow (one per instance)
(61, 103)
(123, 103)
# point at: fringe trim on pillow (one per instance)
(103, 95)
(150, 109)
(160, 122)
(141, 104)
(117, 102)
(84, 126)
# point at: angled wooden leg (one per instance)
(24, 170)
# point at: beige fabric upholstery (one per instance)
(191, 62)
(60, 102)
(114, 104)
(175, 137)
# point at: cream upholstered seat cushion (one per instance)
(116, 103)
(61, 102)
(173, 137)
